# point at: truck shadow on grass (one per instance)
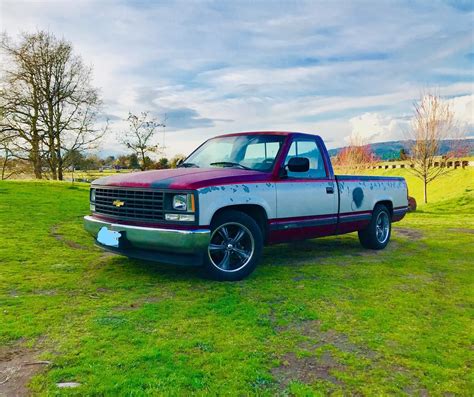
(338, 250)
(291, 254)
(166, 272)
(316, 251)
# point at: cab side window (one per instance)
(310, 150)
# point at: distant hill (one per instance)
(391, 150)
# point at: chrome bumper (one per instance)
(173, 241)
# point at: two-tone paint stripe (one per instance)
(299, 222)
(355, 216)
(319, 220)
(400, 210)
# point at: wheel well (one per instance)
(387, 204)
(256, 212)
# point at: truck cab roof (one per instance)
(283, 133)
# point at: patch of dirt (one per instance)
(318, 338)
(392, 246)
(410, 234)
(462, 230)
(17, 366)
(309, 369)
(54, 232)
(306, 369)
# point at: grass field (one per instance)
(317, 317)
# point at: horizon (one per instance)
(332, 70)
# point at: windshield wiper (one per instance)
(230, 164)
(188, 165)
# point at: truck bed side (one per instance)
(358, 196)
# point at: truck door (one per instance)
(306, 201)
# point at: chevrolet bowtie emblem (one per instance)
(118, 203)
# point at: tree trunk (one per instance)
(425, 191)
(60, 168)
(143, 167)
(4, 165)
(53, 159)
(36, 159)
(57, 134)
(35, 153)
(53, 163)
(37, 167)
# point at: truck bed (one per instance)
(358, 194)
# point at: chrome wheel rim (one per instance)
(231, 247)
(382, 227)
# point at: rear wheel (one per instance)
(377, 234)
(235, 247)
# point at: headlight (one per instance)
(180, 217)
(180, 202)
(92, 194)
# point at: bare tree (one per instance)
(357, 153)
(20, 103)
(70, 106)
(8, 164)
(140, 137)
(5, 157)
(433, 125)
(58, 108)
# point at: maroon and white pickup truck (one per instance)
(236, 193)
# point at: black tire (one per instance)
(234, 257)
(377, 234)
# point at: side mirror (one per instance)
(179, 162)
(298, 164)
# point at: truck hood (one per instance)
(184, 178)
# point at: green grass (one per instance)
(318, 317)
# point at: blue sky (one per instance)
(329, 67)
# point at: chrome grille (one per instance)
(138, 204)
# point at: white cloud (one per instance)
(375, 127)
(463, 108)
(378, 127)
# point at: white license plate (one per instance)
(108, 237)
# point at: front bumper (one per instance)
(156, 244)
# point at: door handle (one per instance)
(330, 190)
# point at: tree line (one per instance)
(50, 113)
(48, 107)
(92, 162)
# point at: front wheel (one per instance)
(377, 234)
(235, 247)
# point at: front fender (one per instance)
(212, 199)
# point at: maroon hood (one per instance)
(184, 178)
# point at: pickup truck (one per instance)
(235, 194)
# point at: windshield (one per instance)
(253, 152)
